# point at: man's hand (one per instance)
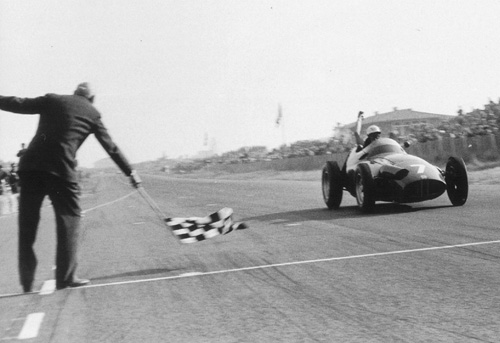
(135, 180)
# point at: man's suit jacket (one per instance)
(65, 122)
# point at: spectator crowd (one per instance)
(475, 123)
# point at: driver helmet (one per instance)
(373, 129)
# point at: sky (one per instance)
(168, 73)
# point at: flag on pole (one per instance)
(280, 116)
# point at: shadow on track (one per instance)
(347, 212)
(143, 272)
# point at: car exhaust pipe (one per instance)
(392, 172)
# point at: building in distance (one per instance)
(400, 122)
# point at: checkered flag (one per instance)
(195, 229)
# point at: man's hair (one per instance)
(84, 89)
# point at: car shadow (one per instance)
(324, 214)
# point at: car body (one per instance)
(384, 171)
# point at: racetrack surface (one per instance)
(426, 272)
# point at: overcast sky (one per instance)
(167, 72)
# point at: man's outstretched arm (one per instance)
(22, 105)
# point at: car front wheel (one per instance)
(331, 182)
(457, 183)
(364, 188)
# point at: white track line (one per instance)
(84, 211)
(108, 203)
(31, 326)
(195, 274)
(48, 287)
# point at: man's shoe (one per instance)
(73, 284)
(27, 288)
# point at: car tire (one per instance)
(364, 186)
(457, 182)
(331, 182)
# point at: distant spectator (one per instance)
(21, 152)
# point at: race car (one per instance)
(384, 171)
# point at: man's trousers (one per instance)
(65, 201)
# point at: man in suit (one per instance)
(48, 168)
(21, 152)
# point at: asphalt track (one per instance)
(428, 272)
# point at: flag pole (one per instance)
(283, 132)
(280, 122)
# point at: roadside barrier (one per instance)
(477, 148)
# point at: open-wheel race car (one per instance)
(384, 171)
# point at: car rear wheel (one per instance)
(457, 182)
(331, 182)
(364, 184)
